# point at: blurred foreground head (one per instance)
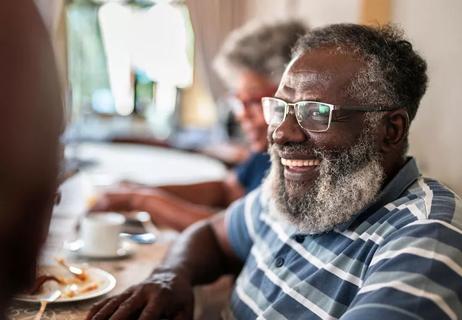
(30, 125)
(251, 63)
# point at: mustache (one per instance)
(305, 148)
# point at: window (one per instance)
(129, 59)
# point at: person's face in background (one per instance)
(251, 87)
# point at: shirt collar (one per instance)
(406, 176)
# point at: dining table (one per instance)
(104, 165)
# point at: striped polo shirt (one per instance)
(400, 258)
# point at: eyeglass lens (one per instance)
(238, 106)
(313, 116)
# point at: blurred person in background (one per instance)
(251, 63)
(30, 126)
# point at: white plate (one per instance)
(105, 280)
(75, 247)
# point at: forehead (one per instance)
(250, 83)
(319, 74)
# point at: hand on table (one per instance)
(124, 198)
(164, 208)
(164, 295)
(116, 200)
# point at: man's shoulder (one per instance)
(251, 173)
(256, 158)
(434, 199)
(425, 203)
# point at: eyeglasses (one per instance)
(249, 102)
(313, 116)
(238, 106)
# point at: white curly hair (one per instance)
(259, 46)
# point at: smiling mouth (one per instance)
(300, 169)
(294, 163)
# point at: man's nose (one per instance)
(288, 131)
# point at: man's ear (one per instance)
(396, 129)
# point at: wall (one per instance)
(435, 29)
(314, 12)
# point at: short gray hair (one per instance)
(395, 74)
(261, 47)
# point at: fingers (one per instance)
(105, 308)
(166, 307)
(112, 201)
(99, 205)
(153, 312)
(184, 315)
(96, 307)
(156, 298)
(150, 312)
(187, 313)
(131, 305)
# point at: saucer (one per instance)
(76, 247)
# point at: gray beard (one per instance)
(347, 183)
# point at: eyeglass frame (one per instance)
(332, 107)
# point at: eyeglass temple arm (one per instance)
(365, 108)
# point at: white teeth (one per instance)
(300, 163)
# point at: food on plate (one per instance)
(79, 273)
(74, 290)
(72, 281)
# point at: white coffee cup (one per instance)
(100, 234)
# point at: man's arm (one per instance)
(200, 255)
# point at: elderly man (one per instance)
(30, 125)
(344, 226)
